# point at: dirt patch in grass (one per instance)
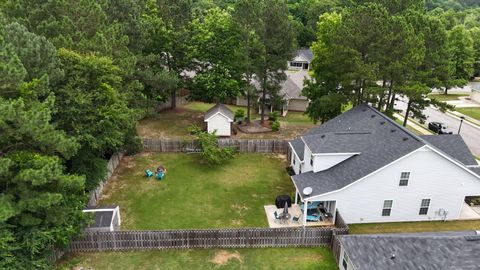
(222, 257)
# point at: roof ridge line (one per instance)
(411, 134)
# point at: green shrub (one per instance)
(273, 116)
(239, 114)
(211, 152)
(275, 125)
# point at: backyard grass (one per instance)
(194, 195)
(472, 112)
(442, 97)
(174, 123)
(406, 227)
(265, 258)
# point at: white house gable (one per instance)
(425, 175)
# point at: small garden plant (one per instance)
(239, 115)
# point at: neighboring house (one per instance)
(409, 251)
(302, 60)
(290, 92)
(219, 119)
(105, 219)
(475, 94)
(371, 169)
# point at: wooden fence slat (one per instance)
(211, 238)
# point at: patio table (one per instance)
(285, 217)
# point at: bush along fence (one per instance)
(111, 166)
(209, 238)
(241, 145)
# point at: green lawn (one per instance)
(193, 195)
(472, 112)
(265, 258)
(174, 123)
(442, 97)
(425, 226)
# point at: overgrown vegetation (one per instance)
(211, 152)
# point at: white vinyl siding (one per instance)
(219, 123)
(432, 176)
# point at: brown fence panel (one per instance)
(241, 145)
(213, 238)
(111, 166)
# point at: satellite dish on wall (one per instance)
(307, 191)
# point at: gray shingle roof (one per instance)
(219, 108)
(385, 143)
(306, 53)
(442, 250)
(379, 140)
(298, 146)
(453, 145)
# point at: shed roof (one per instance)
(219, 108)
(305, 53)
(441, 250)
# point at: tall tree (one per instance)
(91, 108)
(278, 41)
(214, 46)
(40, 205)
(248, 22)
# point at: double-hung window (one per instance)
(387, 208)
(345, 260)
(404, 176)
(424, 207)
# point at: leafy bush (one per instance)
(211, 152)
(273, 116)
(275, 125)
(239, 115)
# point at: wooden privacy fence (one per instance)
(241, 145)
(111, 166)
(211, 238)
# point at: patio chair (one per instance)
(296, 219)
(276, 216)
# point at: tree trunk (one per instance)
(407, 112)
(380, 100)
(262, 115)
(173, 99)
(445, 92)
(389, 96)
(248, 107)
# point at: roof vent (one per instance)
(393, 130)
(393, 256)
(405, 138)
(323, 136)
(364, 110)
(382, 123)
(472, 237)
(372, 116)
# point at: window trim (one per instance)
(345, 260)
(425, 208)
(404, 179)
(385, 208)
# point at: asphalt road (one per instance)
(469, 132)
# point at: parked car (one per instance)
(439, 128)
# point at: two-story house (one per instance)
(371, 169)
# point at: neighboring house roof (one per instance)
(453, 145)
(364, 130)
(441, 250)
(304, 54)
(219, 108)
(293, 85)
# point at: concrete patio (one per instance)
(294, 211)
(470, 212)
